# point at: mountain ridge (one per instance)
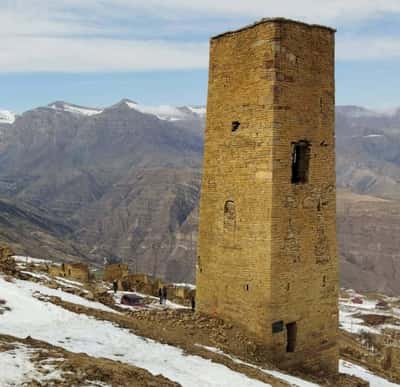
(127, 182)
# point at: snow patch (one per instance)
(17, 368)
(184, 285)
(6, 117)
(348, 368)
(28, 260)
(200, 110)
(36, 289)
(75, 109)
(163, 112)
(168, 112)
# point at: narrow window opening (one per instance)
(235, 126)
(288, 286)
(300, 162)
(247, 287)
(291, 329)
(229, 216)
(324, 281)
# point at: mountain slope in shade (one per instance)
(35, 231)
(125, 181)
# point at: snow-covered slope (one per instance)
(168, 112)
(76, 109)
(6, 117)
(80, 333)
(355, 306)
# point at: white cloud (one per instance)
(327, 11)
(74, 55)
(367, 48)
(92, 35)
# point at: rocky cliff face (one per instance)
(124, 181)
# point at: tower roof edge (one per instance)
(273, 20)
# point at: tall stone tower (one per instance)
(267, 239)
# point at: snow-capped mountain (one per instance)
(162, 112)
(6, 117)
(75, 109)
(168, 112)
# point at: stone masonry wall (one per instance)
(267, 247)
(304, 256)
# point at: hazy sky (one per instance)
(96, 52)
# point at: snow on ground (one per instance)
(353, 324)
(17, 368)
(154, 305)
(28, 260)
(349, 309)
(70, 282)
(348, 368)
(292, 380)
(80, 333)
(61, 281)
(33, 288)
(184, 285)
(36, 275)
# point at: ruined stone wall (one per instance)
(391, 362)
(267, 246)
(77, 271)
(115, 271)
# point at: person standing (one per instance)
(164, 294)
(115, 286)
(160, 295)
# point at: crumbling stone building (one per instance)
(78, 271)
(115, 272)
(267, 254)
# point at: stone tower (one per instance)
(267, 237)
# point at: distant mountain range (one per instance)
(124, 180)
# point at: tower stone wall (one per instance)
(267, 237)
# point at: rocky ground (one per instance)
(196, 335)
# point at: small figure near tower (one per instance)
(267, 254)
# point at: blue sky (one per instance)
(96, 52)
